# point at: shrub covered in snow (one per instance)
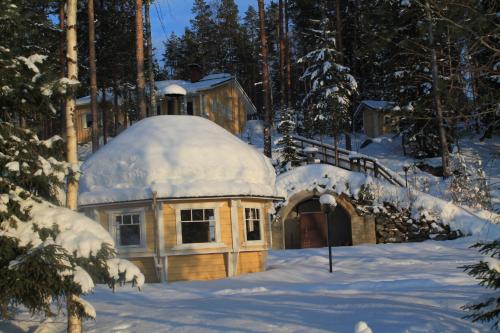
(468, 184)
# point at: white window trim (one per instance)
(178, 226)
(114, 232)
(84, 120)
(261, 241)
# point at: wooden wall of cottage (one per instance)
(232, 255)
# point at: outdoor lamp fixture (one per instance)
(328, 204)
(406, 167)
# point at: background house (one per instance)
(218, 97)
(83, 115)
(378, 117)
(183, 198)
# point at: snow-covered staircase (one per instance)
(310, 149)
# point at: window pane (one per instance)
(186, 215)
(127, 219)
(130, 235)
(135, 219)
(247, 213)
(197, 214)
(118, 219)
(196, 232)
(253, 230)
(209, 214)
(257, 213)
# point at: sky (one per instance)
(175, 16)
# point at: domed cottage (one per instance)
(183, 198)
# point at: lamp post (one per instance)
(406, 167)
(328, 203)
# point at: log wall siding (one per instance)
(147, 267)
(82, 134)
(197, 267)
(200, 263)
(252, 262)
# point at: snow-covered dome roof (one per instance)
(176, 157)
(173, 89)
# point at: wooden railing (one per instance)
(324, 153)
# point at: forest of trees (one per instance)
(385, 46)
(388, 50)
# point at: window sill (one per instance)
(254, 243)
(130, 249)
(195, 246)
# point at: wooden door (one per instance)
(313, 230)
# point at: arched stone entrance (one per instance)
(302, 224)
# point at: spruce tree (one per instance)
(332, 87)
(47, 252)
(288, 154)
(487, 271)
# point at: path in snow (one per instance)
(414, 287)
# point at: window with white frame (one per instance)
(128, 229)
(198, 225)
(86, 120)
(252, 224)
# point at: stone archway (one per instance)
(349, 228)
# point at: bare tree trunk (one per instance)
(116, 110)
(93, 77)
(340, 50)
(139, 56)
(104, 116)
(151, 77)
(265, 81)
(338, 33)
(71, 198)
(281, 33)
(437, 101)
(62, 62)
(287, 58)
(74, 321)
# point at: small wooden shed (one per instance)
(379, 117)
(183, 198)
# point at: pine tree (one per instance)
(249, 55)
(265, 81)
(172, 56)
(139, 57)
(487, 271)
(228, 34)
(203, 28)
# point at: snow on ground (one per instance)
(410, 288)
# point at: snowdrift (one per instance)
(322, 177)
